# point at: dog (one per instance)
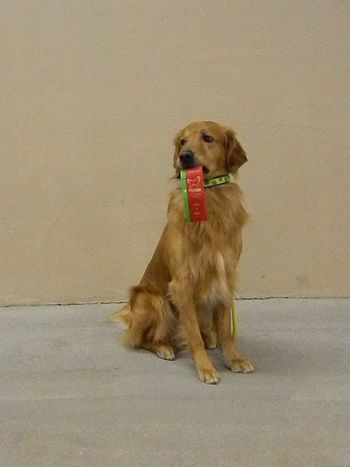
(189, 283)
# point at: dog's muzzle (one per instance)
(188, 159)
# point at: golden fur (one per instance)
(189, 284)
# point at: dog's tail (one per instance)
(117, 316)
(147, 318)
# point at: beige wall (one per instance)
(92, 93)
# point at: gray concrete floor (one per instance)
(71, 395)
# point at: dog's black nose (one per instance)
(187, 159)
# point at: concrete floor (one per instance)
(71, 395)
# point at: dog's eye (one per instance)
(182, 142)
(207, 138)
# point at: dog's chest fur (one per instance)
(207, 253)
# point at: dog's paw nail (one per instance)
(209, 376)
(241, 366)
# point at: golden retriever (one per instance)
(189, 284)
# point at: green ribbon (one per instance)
(234, 323)
(185, 195)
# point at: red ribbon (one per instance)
(196, 194)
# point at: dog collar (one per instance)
(217, 181)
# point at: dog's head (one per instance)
(211, 145)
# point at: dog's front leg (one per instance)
(183, 300)
(232, 358)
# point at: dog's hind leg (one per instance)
(164, 351)
(149, 322)
(206, 326)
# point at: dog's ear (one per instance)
(235, 154)
(177, 140)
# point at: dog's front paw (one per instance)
(208, 375)
(240, 365)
